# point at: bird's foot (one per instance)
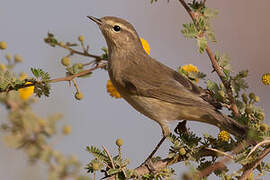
(181, 128)
(149, 164)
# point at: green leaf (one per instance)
(211, 36)
(202, 43)
(39, 73)
(100, 155)
(211, 85)
(210, 13)
(190, 30)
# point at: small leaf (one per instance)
(211, 36)
(202, 43)
(212, 86)
(210, 13)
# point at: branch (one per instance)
(253, 165)
(84, 53)
(221, 163)
(214, 62)
(71, 77)
(161, 164)
(67, 78)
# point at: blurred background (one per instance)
(241, 30)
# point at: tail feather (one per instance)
(230, 125)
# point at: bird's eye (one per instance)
(116, 28)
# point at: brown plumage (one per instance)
(152, 88)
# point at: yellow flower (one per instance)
(66, 129)
(224, 136)
(190, 68)
(3, 45)
(26, 92)
(81, 38)
(111, 90)
(2, 67)
(18, 58)
(145, 45)
(266, 79)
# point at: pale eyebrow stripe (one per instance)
(112, 23)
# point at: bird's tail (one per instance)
(228, 124)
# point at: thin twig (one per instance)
(253, 165)
(221, 152)
(109, 155)
(267, 141)
(214, 62)
(221, 163)
(84, 53)
(71, 77)
(67, 78)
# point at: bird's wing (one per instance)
(161, 82)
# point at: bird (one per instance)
(154, 89)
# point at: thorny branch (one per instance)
(162, 164)
(250, 167)
(214, 62)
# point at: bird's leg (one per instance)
(166, 133)
(154, 151)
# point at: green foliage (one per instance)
(42, 86)
(190, 31)
(105, 53)
(40, 74)
(202, 44)
(200, 29)
(223, 62)
(51, 40)
(110, 166)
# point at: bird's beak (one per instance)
(96, 20)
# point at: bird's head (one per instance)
(119, 34)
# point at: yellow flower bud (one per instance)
(66, 129)
(81, 38)
(18, 58)
(182, 151)
(65, 61)
(2, 67)
(62, 44)
(79, 95)
(119, 142)
(256, 98)
(3, 45)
